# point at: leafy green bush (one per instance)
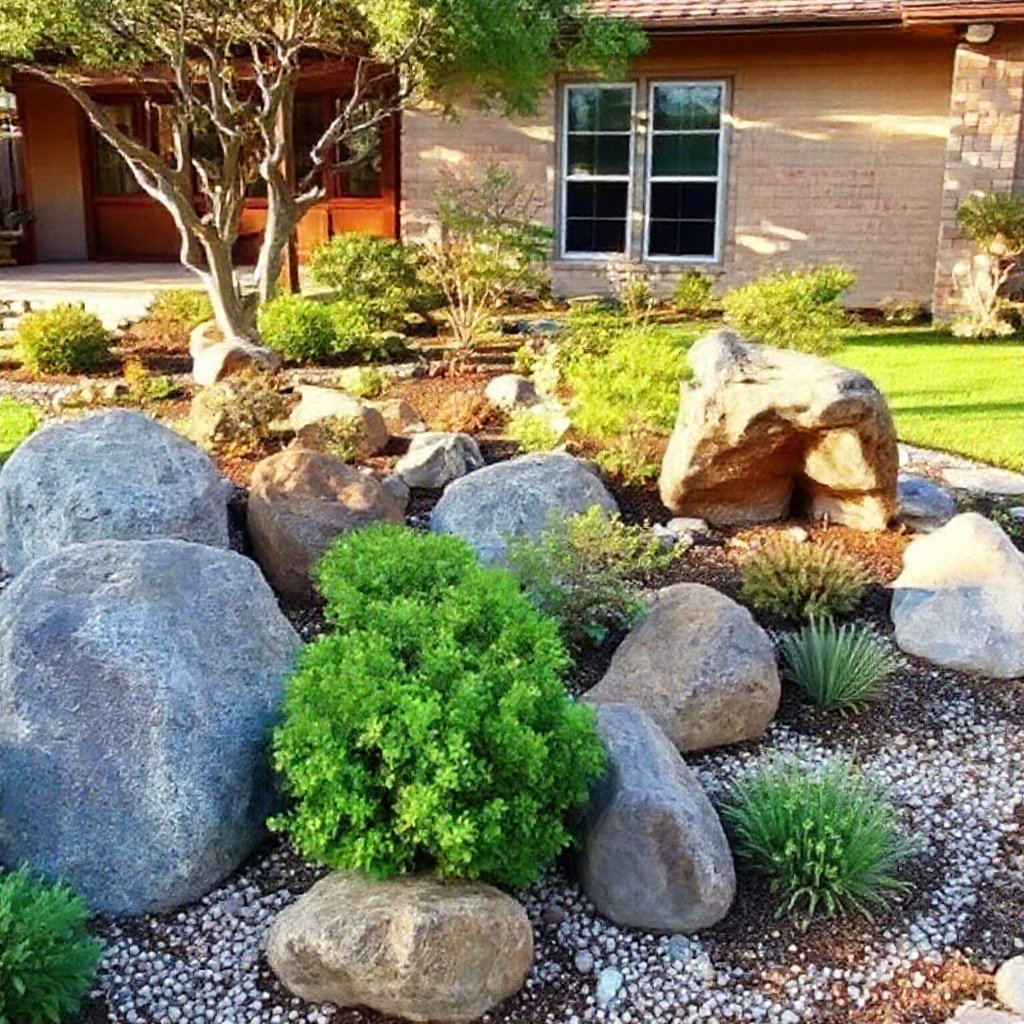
(183, 308)
(995, 221)
(382, 275)
(358, 337)
(825, 839)
(143, 386)
(579, 570)
(47, 961)
(532, 431)
(796, 309)
(636, 298)
(64, 339)
(431, 729)
(17, 421)
(301, 329)
(797, 580)
(692, 294)
(837, 666)
(363, 381)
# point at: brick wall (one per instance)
(985, 148)
(836, 151)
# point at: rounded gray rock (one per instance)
(115, 476)
(139, 682)
(517, 499)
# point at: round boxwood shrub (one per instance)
(64, 339)
(432, 729)
(47, 961)
(301, 329)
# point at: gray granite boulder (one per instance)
(516, 499)
(412, 947)
(959, 601)
(435, 459)
(654, 853)
(924, 506)
(139, 682)
(511, 391)
(700, 666)
(115, 476)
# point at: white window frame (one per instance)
(720, 179)
(563, 217)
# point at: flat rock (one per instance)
(435, 459)
(413, 947)
(1010, 984)
(118, 475)
(924, 506)
(976, 1013)
(319, 405)
(517, 499)
(654, 854)
(299, 502)
(700, 666)
(215, 362)
(400, 416)
(510, 391)
(139, 683)
(959, 601)
(988, 479)
(763, 433)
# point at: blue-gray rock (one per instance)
(654, 853)
(139, 682)
(115, 476)
(609, 983)
(435, 459)
(517, 499)
(923, 506)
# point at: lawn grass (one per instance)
(17, 421)
(959, 396)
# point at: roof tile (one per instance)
(656, 13)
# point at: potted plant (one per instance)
(12, 231)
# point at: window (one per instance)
(111, 175)
(354, 171)
(598, 169)
(684, 169)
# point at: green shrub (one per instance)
(357, 336)
(825, 839)
(636, 298)
(64, 339)
(994, 221)
(17, 421)
(796, 309)
(382, 275)
(579, 571)
(143, 386)
(236, 416)
(431, 729)
(183, 308)
(301, 329)
(363, 381)
(692, 294)
(837, 666)
(532, 431)
(47, 961)
(795, 580)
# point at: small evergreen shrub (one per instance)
(431, 729)
(796, 309)
(825, 839)
(17, 421)
(47, 961)
(356, 333)
(64, 339)
(636, 298)
(692, 293)
(580, 571)
(301, 329)
(795, 580)
(363, 381)
(841, 667)
(143, 386)
(383, 276)
(236, 416)
(533, 432)
(182, 308)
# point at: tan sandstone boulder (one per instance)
(213, 359)
(763, 433)
(700, 666)
(325, 406)
(300, 501)
(413, 947)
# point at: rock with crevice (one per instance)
(763, 433)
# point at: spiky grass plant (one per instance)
(825, 838)
(838, 667)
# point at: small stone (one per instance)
(609, 982)
(511, 391)
(584, 962)
(1010, 984)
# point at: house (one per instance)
(751, 133)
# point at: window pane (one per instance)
(583, 110)
(683, 219)
(612, 154)
(685, 155)
(111, 174)
(600, 110)
(687, 107)
(596, 215)
(611, 199)
(582, 155)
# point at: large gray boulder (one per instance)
(700, 666)
(959, 601)
(654, 853)
(139, 681)
(413, 947)
(517, 499)
(763, 432)
(115, 476)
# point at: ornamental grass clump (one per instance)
(47, 961)
(797, 580)
(825, 839)
(431, 729)
(839, 667)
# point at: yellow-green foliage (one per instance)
(183, 308)
(64, 339)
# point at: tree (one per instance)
(227, 71)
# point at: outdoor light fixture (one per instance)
(980, 33)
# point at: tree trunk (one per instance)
(231, 310)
